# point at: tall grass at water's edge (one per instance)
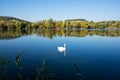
(41, 73)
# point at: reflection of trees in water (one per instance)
(50, 33)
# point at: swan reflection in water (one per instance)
(62, 49)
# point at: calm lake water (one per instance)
(89, 55)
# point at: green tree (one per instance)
(49, 23)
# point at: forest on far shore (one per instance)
(12, 23)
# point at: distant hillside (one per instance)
(12, 23)
(6, 18)
(77, 20)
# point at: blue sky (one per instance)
(35, 10)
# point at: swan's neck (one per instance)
(64, 46)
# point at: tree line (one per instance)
(11, 23)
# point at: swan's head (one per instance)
(64, 44)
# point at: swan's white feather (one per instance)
(62, 49)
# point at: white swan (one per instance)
(62, 49)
